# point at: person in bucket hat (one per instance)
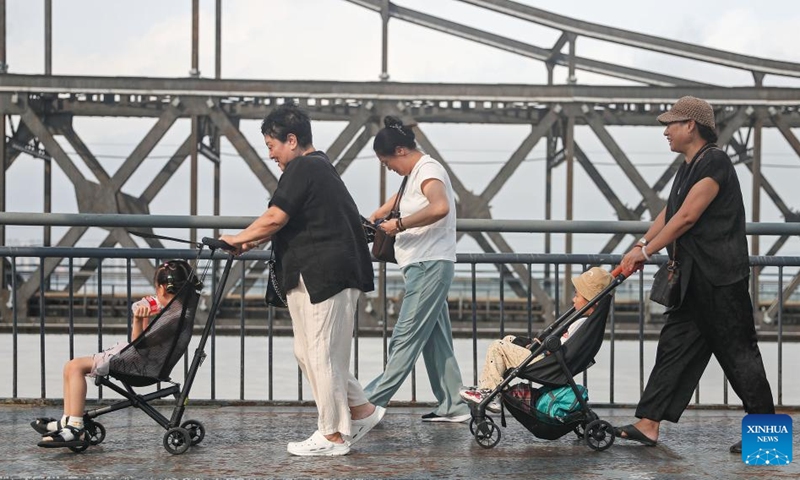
(512, 351)
(703, 228)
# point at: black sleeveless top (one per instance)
(717, 243)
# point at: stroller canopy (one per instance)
(579, 350)
(150, 358)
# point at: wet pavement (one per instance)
(250, 442)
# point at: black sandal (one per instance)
(40, 425)
(57, 440)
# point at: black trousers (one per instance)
(711, 320)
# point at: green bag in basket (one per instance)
(559, 402)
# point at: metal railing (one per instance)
(612, 378)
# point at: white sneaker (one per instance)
(318, 445)
(432, 417)
(360, 427)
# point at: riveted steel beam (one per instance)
(162, 90)
(40, 130)
(353, 150)
(83, 151)
(21, 138)
(145, 146)
(623, 212)
(638, 40)
(524, 49)
(243, 147)
(783, 127)
(537, 132)
(344, 138)
(650, 196)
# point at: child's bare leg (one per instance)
(74, 401)
(65, 387)
(75, 372)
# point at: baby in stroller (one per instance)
(69, 431)
(511, 351)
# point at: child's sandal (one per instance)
(40, 425)
(68, 436)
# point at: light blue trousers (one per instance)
(423, 326)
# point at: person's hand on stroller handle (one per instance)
(627, 270)
(240, 246)
(633, 261)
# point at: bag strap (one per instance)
(396, 207)
(698, 156)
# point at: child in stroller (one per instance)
(512, 351)
(170, 278)
(552, 363)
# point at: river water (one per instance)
(285, 379)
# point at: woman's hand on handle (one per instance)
(633, 260)
(239, 246)
(625, 272)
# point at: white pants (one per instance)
(323, 334)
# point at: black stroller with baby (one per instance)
(557, 369)
(150, 358)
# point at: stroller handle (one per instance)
(215, 244)
(622, 271)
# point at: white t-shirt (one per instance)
(436, 241)
(571, 329)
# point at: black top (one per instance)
(717, 243)
(323, 240)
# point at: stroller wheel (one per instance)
(487, 433)
(599, 435)
(472, 423)
(177, 440)
(81, 448)
(96, 432)
(196, 430)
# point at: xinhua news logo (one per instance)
(767, 439)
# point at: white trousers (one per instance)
(323, 334)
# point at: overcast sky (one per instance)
(337, 40)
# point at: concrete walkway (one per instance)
(250, 442)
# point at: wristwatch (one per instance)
(643, 241)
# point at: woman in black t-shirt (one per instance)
(324, 264)
(705, 219)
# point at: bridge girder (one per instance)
(44, 107)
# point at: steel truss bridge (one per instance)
(40, 108)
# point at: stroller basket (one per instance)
(523, 408)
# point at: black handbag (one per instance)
(383, 244)
(666, 288)
(274, 295)
(383, 247)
